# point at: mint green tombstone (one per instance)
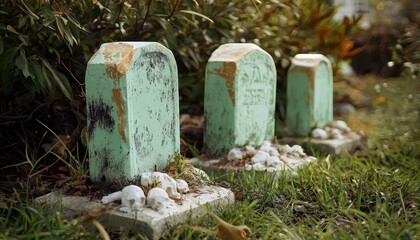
(239, 97)
(132, 108)
(309, 94)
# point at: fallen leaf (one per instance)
(101, 229)
(379, 100)
(227, 231)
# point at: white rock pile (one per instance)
(271, 157)
(133, 198)
(335, 130)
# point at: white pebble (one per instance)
(298, 151)
(265, 148)
(335, 133)
(273, 152)
(291, 162)
(311, 159)
(285, 149)
(259, 167)
(340, 125)
(260, 157)
(272, 169)
(250, 150)
(248, 167)
(266, 143)
(182, 186)
(273, 161)
(319, 133)
(235, 154)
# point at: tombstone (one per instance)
(132, 108)
(239, 97)
(309, 94)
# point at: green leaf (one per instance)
(1, 45)
(6, 58)
(60, 80)
(169, 33)
(22, 21)
(22, 63)
(11, 29)
(24, 39)
(38, 79)
(60, 26)
(29, 11)
(45, 77)
(47, 18)
(197, 14)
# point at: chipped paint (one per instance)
(118, 58)
(99, 115)
(234, 52)
(239, 98)
(309, 94)
(228, 72)
(309, 71)
(118, 100)
(132, 96)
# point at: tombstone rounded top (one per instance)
(232, 52)
(311, 60)
(117, 52)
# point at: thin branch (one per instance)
(173, 10)
(147, 14)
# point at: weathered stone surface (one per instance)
(350, 143)
(239, 99)
(309, 94)
(133, 113)
(153, 224)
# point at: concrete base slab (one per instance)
(350, 144)
(149, 222)
(206, 164)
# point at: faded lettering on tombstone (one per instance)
(309, 94)
(132, 106)
(239, 97)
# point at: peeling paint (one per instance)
(117, 98)
(118, 58)
(228, 72)
(310, 73)
(309, 93)
(139, 85)
(99, 115)
(239, 98)
(113, 72)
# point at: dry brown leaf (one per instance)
(227, 231)
(101, 230)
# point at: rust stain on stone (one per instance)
(118, 58)
(308, 71)
(117, 98)
(228, 72)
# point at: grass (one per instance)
(370, 195)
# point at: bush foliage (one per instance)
(45, 46)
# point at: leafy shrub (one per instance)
(286, 28)
(379, 38)
(45, 46)
(33, 40)
(408, 51)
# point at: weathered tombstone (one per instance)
(239, 97)
(309, 94)
(132, 106)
